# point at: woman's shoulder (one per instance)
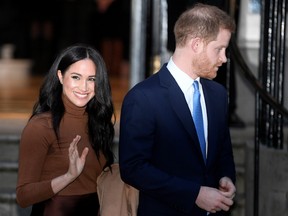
(38, 129)
(41, 120)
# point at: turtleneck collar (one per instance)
(72, 108)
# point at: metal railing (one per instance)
(253, 81)
(269, 88)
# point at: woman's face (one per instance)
(79, 82)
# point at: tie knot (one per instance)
(196, 85)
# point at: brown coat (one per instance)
(115, 197)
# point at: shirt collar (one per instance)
(182, 79)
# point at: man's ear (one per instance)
(196, 44)
(60, 76)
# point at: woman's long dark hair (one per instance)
(100, 108)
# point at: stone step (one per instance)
(8, 175)
(9, 138)
(8, 205)
(7, 195)
(9, 145)
(240, 138)
(8, 181)
(8, 166)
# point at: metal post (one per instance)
(138, 41)
(271, 70)
(159, 34)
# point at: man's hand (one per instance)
(227, 187)
(213, 200)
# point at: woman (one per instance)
(68, 140)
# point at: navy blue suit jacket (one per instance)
(159, 152)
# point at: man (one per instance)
(226, 73)
(159, 149)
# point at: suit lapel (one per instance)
(210, 101)
(178, 102)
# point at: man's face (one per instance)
(213, 55)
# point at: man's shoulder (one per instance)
(154, 79)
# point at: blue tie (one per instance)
(198, 118)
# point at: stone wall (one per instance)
(273, 181)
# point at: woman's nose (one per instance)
(84, 86)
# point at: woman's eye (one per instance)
(92, 79)
(75, 77)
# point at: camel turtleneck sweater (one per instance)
(42, 157)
